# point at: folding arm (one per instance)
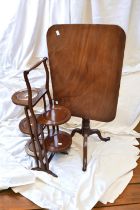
(26, 72)
(37, 64)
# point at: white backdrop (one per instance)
(23, 27)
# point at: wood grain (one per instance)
(85, 64)
(11, 201)
(124, 207)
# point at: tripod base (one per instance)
(86, 131)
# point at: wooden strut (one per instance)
(86, 131)
(32, 136)
(47, 160)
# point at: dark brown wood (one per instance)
(24, 127)
(52, 116)
(58, 142)
(34, 125)
(54, 143)
(85, 64)
(4, 204)
(85, 131)
(21, 97)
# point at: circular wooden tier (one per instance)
(21, 97)
(64, 142)
(56, 115)
(58, 142)
(24, 127)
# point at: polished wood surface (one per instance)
(86, 131)
(29, 98)
(24, 127)
(34, 125)
(11, 201)
(59, 142)
(56, 115)
(21, 97)
(85, 64)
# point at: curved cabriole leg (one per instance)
(96, 131)
(85, 152)
(86, 131)
(77, 130)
